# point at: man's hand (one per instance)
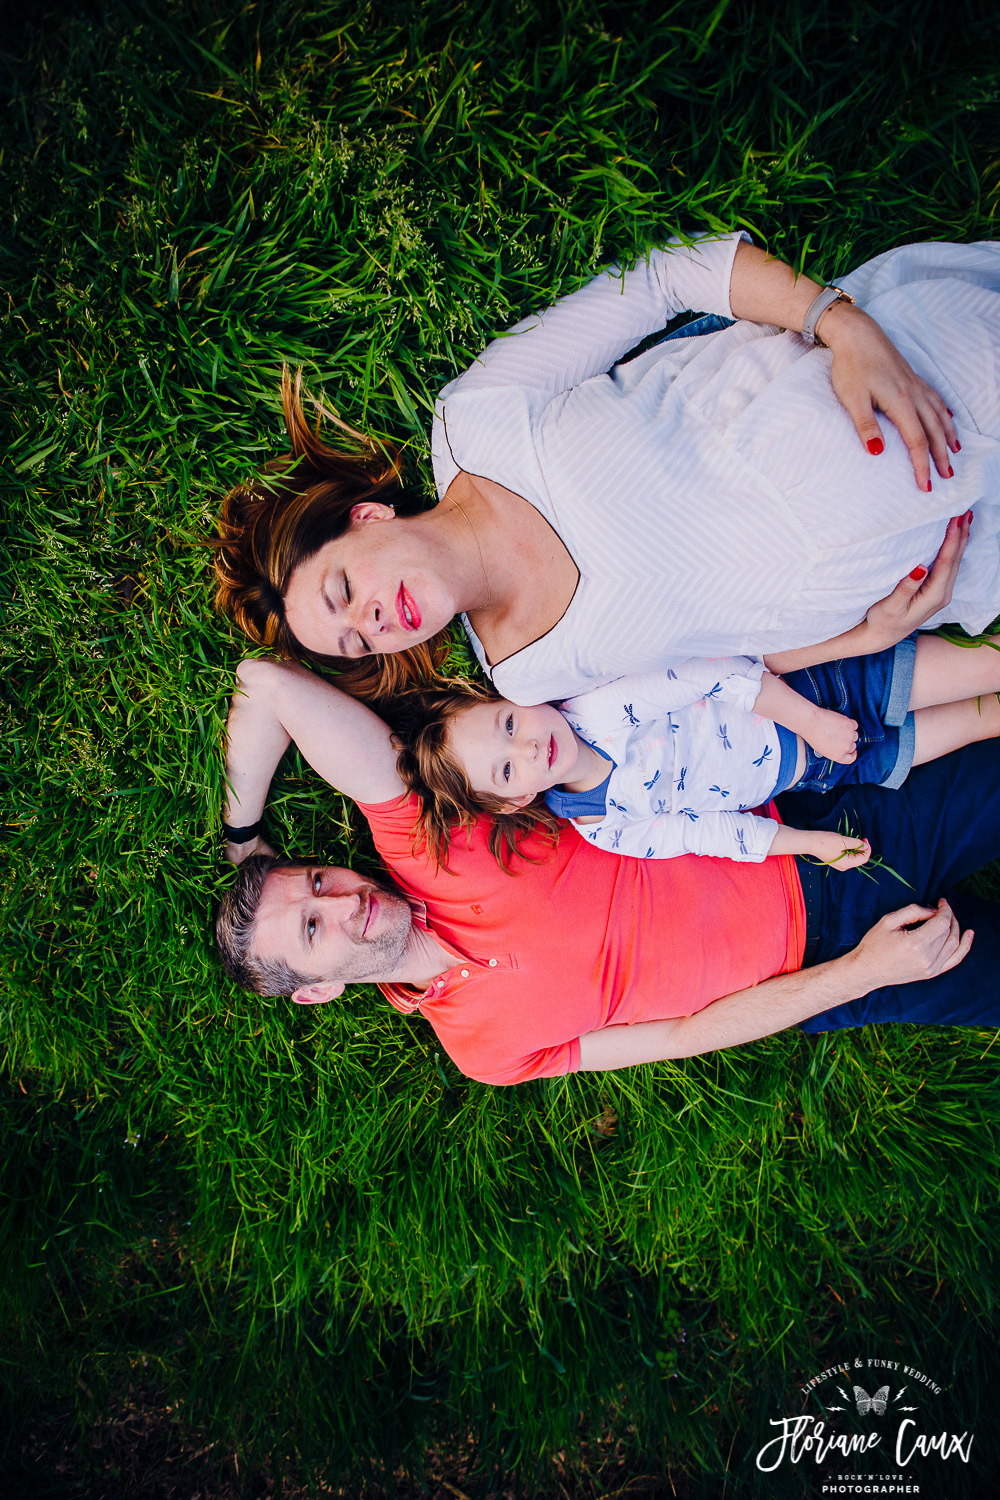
(920, 594)
(237, 853)
(341, 738)
(918, 942)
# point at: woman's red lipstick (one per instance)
(406, 610)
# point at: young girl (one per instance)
(670, 762)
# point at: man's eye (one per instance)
(509, 724)
(311, 928)
(317, 884)
(506, 771)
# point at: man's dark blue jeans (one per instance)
(942, 824)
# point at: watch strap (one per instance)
(241, 835)
(817, 307)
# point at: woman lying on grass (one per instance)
(721, 493)
(668, 763)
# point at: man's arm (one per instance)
(887, 954)
(276, 703)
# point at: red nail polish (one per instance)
(928, 486)
(968, 516)
(958, 446)
(951, 472)
(918, 573)
(876, 446)
(949, 411)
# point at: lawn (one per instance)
(297, 1245)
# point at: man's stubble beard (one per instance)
(374, 959)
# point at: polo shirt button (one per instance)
(493, 963)
(465, 973)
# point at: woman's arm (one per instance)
(887, 954)
(587, 332)
(868, 371)
(276, 703)
(913, 601)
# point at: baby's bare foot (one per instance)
(834, 736)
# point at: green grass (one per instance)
(324, 1247)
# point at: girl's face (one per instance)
(511, 752)
(378, 588)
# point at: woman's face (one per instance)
(378, 588)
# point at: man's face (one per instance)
(334, 923)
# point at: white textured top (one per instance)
(690, 757)
(713, 492)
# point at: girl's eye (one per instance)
(509, 724)
(347, 590)
(365, 648)
(506, 771)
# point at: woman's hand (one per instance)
(916, 943)
(911, 604)
(920, 594)
(868, 373)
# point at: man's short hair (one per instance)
(234, 931)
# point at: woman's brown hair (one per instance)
(281, 517)
(429, 768)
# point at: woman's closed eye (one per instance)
(348, 595)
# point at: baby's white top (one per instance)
(691, 757)
(713, 492)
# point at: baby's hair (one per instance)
(429, 768)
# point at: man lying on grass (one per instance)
(583, 959)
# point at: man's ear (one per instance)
(318, 994)
(514, 804)
(371, 510)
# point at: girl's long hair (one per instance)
(428, 768)
(272, 523)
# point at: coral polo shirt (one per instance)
(580, 940)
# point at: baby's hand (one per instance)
(841, 851)
(834, 736)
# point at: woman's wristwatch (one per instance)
(817, 307)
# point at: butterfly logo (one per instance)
(866, 1403)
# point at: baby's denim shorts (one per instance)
(875, 690)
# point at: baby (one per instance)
(671, 762)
